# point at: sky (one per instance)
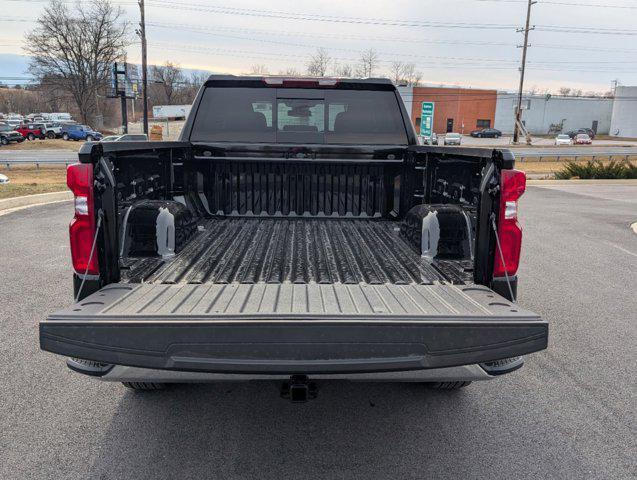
(581, 44)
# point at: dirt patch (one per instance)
(29, 180)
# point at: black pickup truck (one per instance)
(297, 231)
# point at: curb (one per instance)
(550, 182)
(37, 199)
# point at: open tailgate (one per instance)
(289, 328)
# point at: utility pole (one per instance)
(615, 83)
(142, 34)
(518, 111)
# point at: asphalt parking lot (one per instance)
(569, 413)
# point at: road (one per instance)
(37, 156)
(568, 414)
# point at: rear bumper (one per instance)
(287, 348)
(465, 373)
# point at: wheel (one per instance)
(447, 385)
(31, 137)
(144, 386)
(89, 138)
(4, 141)
(65, 136)
(50, 135)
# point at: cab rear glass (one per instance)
(307, 116)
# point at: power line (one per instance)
(193, 28)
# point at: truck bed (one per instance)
(299, 251)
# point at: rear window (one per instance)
(271, 115)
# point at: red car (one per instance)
(31, 131)
(582, 139)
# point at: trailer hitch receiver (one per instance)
(299, 389)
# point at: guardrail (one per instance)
(548, 157)
(38, 158)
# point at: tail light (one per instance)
(513, 184)
(79, 178)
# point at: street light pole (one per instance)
(142, 34)
(518, 111)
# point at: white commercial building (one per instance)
(542, 111)
(624, 118)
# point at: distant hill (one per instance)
(13, 69)
(12, 65)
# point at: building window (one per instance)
(483, 123)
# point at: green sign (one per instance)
(427, 119)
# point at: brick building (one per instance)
(455, 109)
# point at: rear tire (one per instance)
(4, 141)
(144, 386)
(65, 136)
(31, 137)
(447, 385)
(50, 135)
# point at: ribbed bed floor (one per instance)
(324, 251)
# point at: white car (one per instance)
(4, 178)
(52, 130)
(453, 139)
(563, 139)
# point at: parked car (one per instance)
(3, 178)
(433, 140)
(127, 137)
(8, 135)
(133, 137)
(582, 139)
(563, 139)
(80, 132)
(254, 276)
(453, 139)
(486, 133)
(52, 130)
(587, 131)
(31, 131)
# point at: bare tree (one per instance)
(319, 63)
(367, 63)
(564, 90)
(170, 80)
(74, 48)
(412, 76)
(289, 72)
(405, 74)
(577, 92)
(396, 72)
(342, 70)
(259, 69)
